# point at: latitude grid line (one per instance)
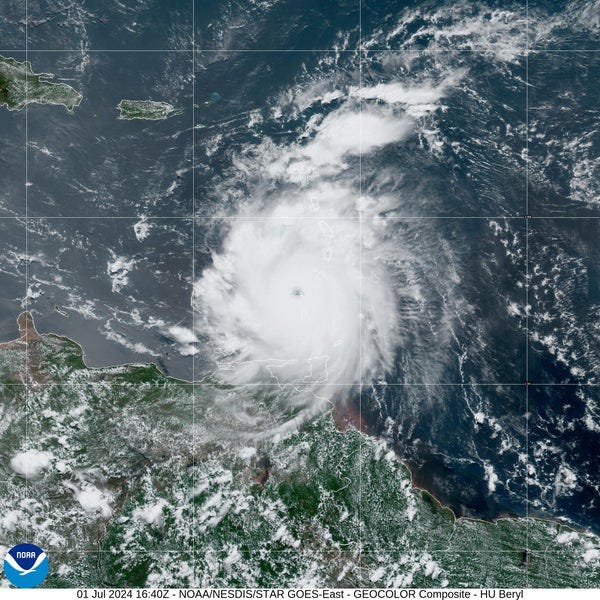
(301, 218)
(294, 220)
(475, 50)
(291, 550)
(194, 218)
(185, 383)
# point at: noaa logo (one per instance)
(26, 565)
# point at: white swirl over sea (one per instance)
(359, 234)
(303, 292)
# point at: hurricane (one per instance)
(303, 292)
(296, 298)
(360, 232)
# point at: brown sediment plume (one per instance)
(27, 331)
(346, 413)
(24, 323)
(26, 343)
(262, 471)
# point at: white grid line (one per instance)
(370, 553)
(360, 316)
(186, 383)
(527, 524)
(26, 246)
(193, 217)
(484, 50)
(298, 218)
(193, 358)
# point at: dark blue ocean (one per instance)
(490, 198)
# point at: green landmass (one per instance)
(144, 109)
(143, 480)
(20, 86)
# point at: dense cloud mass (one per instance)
(301, 292)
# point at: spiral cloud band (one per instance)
(287, 302)
(300, 295)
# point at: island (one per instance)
(127, 477)
(20, 86)
(144, 109)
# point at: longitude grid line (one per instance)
(194, 562)
(360, 391)
(527, 524)
(26, 244)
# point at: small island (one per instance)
(144, 109)
(20, 86)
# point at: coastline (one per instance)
(345, 415)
